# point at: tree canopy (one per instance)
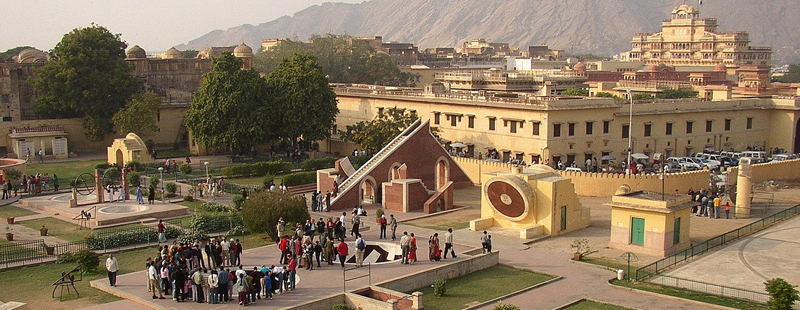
(342, 59)
(139, 115)
(262, 210)
(305, 104)
(793, 76)
(672, 93)
(87, 77)
(576, 92)
(11, 52)
(232, 107)
(375, 134)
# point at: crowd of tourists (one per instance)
(710, 204)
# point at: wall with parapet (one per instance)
(414, 281)
(777, 170)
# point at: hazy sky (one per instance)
(155, 25)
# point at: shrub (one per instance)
(87, 260)
(154, 181)
(190, 237)
(263, 209)
(318, 163)
(267, 179)
(299, 178)
(185, 168)
(120, 238)
(642, 97)
(137, 166)
(603, 94)
(378, 213)
(502, 306)
(361, 160)
(211, 206)
(101, 166)
(341, 307)
(439, 287)
(257, 169)
(782, 295)
(66, 257)
(12, 174)
(188, 198)
(216, 221)
(134, 179)
(237, 231)
(171, 187)
(238, 199)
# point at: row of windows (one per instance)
(648, 128)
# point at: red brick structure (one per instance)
(413, 172)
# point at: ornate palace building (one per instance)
(687, 40)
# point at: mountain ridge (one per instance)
(597, 26)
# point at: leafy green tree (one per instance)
(87, 77)
(375, 134)
(793, 76)
(576, 92)
(11, 52)
(232, 108)
(642, 97)
(304, 102)
(672, 93)
(782, 295)
(382, 70)
(262, 210)
(603, 94)
(139, 115)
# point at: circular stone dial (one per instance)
(506, 199)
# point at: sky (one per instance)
(155, 25)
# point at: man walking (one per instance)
(448, 243)
(341, 249)
(361, 246)
(405, 242)
(393, 225)
(112, 267)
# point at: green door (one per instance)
(563, 218)
(637, 231)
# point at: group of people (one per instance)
(710, 204)
(33, 184)
(211, 186)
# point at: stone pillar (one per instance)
(743, 189)
(416, 300)
(73, 200)
(124, 185)
(393, 302)
(98, 186)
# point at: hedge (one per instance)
(299, 178)
(257, 169)
(99, 241)
(319, 163)
(215, 221)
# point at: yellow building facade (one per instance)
(645, 223)
(539, 129)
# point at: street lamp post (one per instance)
(206, 164)
(161, 170)
(630, 131)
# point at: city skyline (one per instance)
(140, 23)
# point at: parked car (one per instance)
(781, 157)
(757, 156)
(682, 163)
(573, 169)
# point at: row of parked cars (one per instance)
(722, 160)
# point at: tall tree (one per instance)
(375, 134)
(232, 108)
(87, 77)
(305, 103)
(139, 115)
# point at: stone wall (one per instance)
(476, 168)
(777, 170)
(323, 303)
(414, 281)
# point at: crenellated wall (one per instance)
(776, 170)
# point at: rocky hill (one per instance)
(597, 26)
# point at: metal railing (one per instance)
(665, 263)
(711, 289)
(22, 252)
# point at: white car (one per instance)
(679, 163)
(705, 162)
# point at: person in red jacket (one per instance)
(292, 271)
(341, 249)
(283, 245)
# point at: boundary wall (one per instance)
(776, 170)
(602, 184)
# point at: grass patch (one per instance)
(66, 171)
(613, 264)
(38, 279)
(192, 205)
(481, 286)
(12, 211)
(593, 305)
(444, 226)
(60, 229)
(698, 296)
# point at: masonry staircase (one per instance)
(355, 179)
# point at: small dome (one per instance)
(579, 67)
(623, 190)
(31, 55)
(172, 53)
(136, 52)
(720, 67)
(243, 51)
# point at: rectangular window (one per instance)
(709, 126)
(589, 128)
(647, 128)
(689, 126)
(513, 127)
(727, 124)
(571, 129)
(676, 233)
(606, 126)
(453, 120)
(749, 123)
(471, 121)
(669, 129)
(491, 123)
(436, 116)
(536, 128)
(556, 130)
(625, 131)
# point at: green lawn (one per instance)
(445, 226)
(593, 305)
(60, 229)
(481, 286)
(66, 171)
(38, 279)
(12, 211)
(682, 293)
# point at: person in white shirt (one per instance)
(225, 246)
(213, 286)
(448, 243)
(112, 267)
(154, 277)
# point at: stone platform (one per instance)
(107, 213)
